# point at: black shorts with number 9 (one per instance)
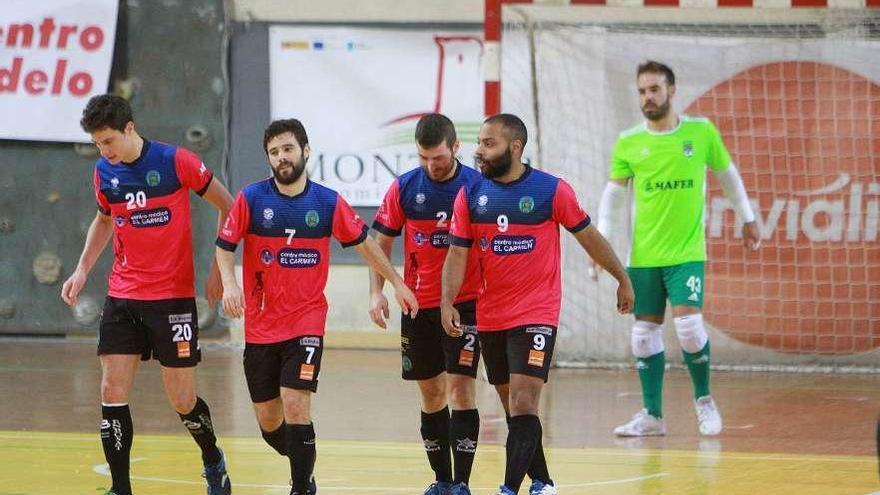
(525, 350)
(165, 329)
(293, 363)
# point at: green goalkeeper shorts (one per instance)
(681, 284)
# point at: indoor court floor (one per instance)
(784, 433)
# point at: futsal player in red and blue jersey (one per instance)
(419, 205)
(512, 217)
(286, 222)
(142, 189)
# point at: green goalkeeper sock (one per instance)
(698, 367)
(651, 370)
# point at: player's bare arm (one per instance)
(379, 311)
(233, 297)
(373, 255)
(100, 232)
(453, 276)
(598, 248)
(219, 196)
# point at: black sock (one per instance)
(435, 433)
(117, 434)
(538, 468)
(198, 422)
(522, 440)
(301, 452)
(464, 431)
(276, 439)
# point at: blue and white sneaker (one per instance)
(216, 477)
(540, 488)
(460, 489)
(503, 490)
(438, 488)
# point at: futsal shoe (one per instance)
(503, 490)
(312, 490)
(460, 489)
(540, 488)
(708, 416)
(438, 488)
(216, 477)
(642, 424)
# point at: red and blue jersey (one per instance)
(516, 230)
(421, 208)
(148, 200)
(287, 255)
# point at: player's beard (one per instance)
(493, 168)
(295, 172)
(657, 112)
(442, 173)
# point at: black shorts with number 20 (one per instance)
(293, 363)
(524, 350)
(166, 329)
(426, 350)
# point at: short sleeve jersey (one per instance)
(515, 227)
(148, 201)
(669, 179)
(287, 255)
(421, 209)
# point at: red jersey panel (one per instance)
(421, 208)
(287, 256)
(152, 233)
(515, 227)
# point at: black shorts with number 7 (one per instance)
(524, 350)
(293, 363)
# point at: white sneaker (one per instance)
(642, 424)
(708, 416)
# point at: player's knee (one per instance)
(523, 402)
(433, 393)
(691, 333)
(183, 401)
(461, 393)
(647, 339)
(296, 413)
(113, 393)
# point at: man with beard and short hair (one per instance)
(142, 189)
(666, 159)
(512, 217)
(286, 222)
(419, 205)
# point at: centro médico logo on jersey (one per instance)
(506, 245)
(298, 258)
(811, 169)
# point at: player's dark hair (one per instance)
(433, 129)
(655, 67)
(513, 126)
(103, 111)
(278, 127)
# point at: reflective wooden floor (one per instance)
(785, 433)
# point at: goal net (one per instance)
(796, 96)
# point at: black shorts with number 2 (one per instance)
(294, 363)
(426, 350)
(524, 350)
(166, 329)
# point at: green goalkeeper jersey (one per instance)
(668, 171)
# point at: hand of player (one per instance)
(625, 298)
(751, 236)
(379, 311)
(451, 320)
(213, 285)
(233, 301)
(406, 299)
(72, 286)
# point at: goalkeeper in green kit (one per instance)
(666, 158)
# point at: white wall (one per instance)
(358, 10)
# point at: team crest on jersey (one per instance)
(120, 220)
(312, 218)
(688, 148)
(153, 178)
(526, 204)
(420, 238)
(266, 256)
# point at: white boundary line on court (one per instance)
(104, 470)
